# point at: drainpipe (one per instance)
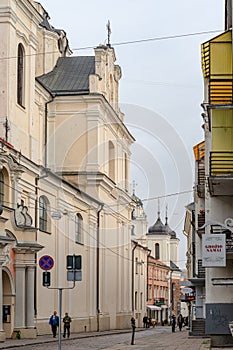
(98, 268)
(147, 273)
(135, 246)
(193, 245)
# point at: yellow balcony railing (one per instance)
(221, 163)
(221, 91)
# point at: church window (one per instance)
(43, 214)
(157, 255)
(21, 75)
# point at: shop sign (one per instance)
(214, 250)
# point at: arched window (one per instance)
(44, 223)
(4, 187)
(136, 263)
(157, 251)
(136, 300)
(21, 76)
(111, 159)
(78, 229)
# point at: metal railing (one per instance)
(221, 163)
(221, 91)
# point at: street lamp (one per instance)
(170, 293)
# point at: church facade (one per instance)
(64, 178)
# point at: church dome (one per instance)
(158, 228)
(170, 231)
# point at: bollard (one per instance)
(133, 329)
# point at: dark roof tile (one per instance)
(69, 76)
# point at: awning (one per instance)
(153, 307)
(164, 306)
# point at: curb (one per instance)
(37, 341)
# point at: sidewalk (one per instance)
(168, 341)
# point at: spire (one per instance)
(158, 209)
(166, 218)
(134, 186)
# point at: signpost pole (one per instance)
(60, 319)
(46, 263)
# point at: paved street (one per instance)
(159, 338)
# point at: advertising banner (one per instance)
(214, 250)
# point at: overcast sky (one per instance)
(161, 88)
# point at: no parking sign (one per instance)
(46, 262)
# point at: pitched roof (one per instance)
(70, 76)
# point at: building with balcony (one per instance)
(214, 190)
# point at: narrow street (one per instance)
(154, 338)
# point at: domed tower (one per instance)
(158, 239)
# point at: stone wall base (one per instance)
(123, 321)
(24, 333)
(2, 336)
(221, 340)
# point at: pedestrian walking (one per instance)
(54, 323)
(173, 323)
(144, 320)
(67, 321)
(180, 321)
(133, 325)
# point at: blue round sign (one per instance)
(46, 262)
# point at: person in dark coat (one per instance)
(144, 321)
(54, 323)
(180, 321)
(173, 323)
(67, 321)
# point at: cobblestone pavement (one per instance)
(158, 338)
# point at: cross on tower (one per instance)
(109, 33)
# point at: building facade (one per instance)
(163, 289)
(158, 289)
(64, 155)
(213, 190)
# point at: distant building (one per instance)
(163, 272)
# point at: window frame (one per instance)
(78, 228)
(44, 222)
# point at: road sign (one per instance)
(74, 262)
(46, 279)
(46, 262)
(75, 275)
